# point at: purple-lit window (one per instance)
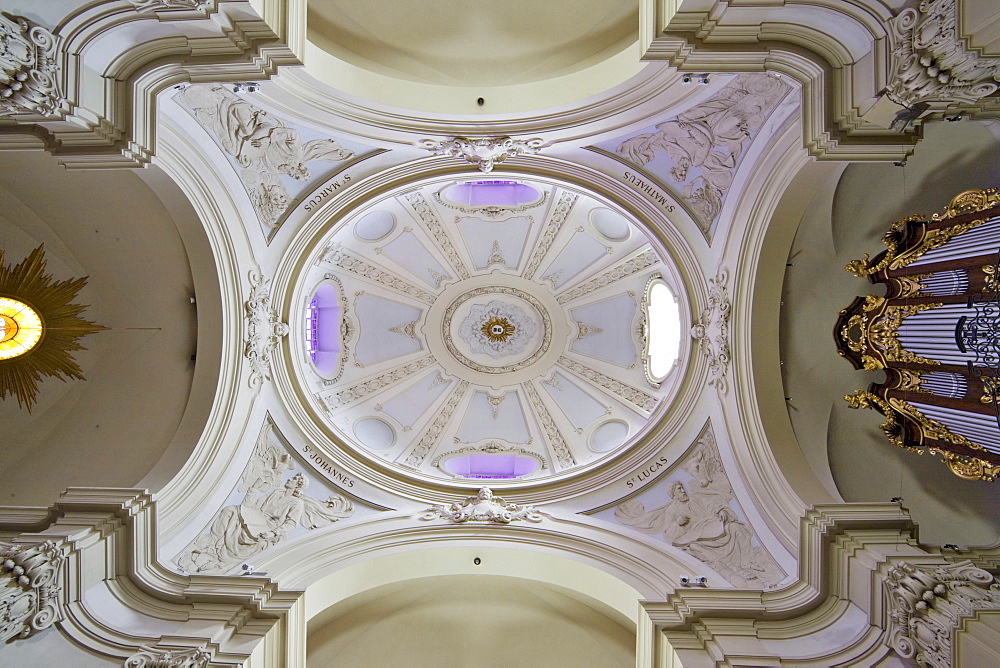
(322, 323)
(312, 323)
(491, 193)
(494, 467)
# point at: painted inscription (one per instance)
(650, 190)
(331, 188)
(647, 472)
(326, 466)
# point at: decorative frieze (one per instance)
(484, 507)
(711, 331)
(29, 74)
(432, 434)
(557, 218)
(375, 384)
(631, 266)
(30, 588)
(264, 329)
(485, 152)
(643, 401)
(426, 214)
(156, 657)
(338, 256)
(926, 603)
(554, 437)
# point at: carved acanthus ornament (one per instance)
(375, 384)
(155, 657)
(925, 604)
(30, 588)
(337, 256)
(264, 329)
(485, 152)
(29, 75)
(493, 212)
(484, 507)
(930, 61)
(711, 331)
(631, 266)
(875, 337)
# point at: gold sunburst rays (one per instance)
(497, 329)
(59, 318)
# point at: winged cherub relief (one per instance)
(704, 143)
(700, 520)
(270, 510)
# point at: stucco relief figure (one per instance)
(255, 138)
(267, 195)
(708, 139)
(242, 531)
(700, 520)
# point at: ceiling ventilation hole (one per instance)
(374, 433)
(610, 225)
(375, 226)
(608, 436)
(491, 193)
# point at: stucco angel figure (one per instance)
(703, 525)
(241, 531)
(484, 507)
(255, 138)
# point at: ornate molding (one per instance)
(485, 152)
(711, 331)
(931, 63)
(29, 74)
(432, 434)
(336, 255)
(926, 603)
(492, 212)
(264, 329)
(557, 443)
(484, 507)
(625, 269)
(30, 588)
(560, 212)
(377, 383)
(155, 657)
(644, 401)
(425, 213)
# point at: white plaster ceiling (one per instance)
(501, 43)
(420, 275)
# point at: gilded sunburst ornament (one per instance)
(41, 327)
(498, 329)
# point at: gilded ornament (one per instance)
(969, 201)
(875, 338)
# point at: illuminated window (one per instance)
(20, 328)
(663, 335)
(491, 193)
(490, 466)
(322, 329)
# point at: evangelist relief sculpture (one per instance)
(269, 511)
(701, 520)
(705, 142)
(260, 143)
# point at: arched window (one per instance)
(322, 329)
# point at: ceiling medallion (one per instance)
(497, 330)
(37, 340)
(515, 329)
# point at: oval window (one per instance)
(491, 193)
(663, 330)
(496, 467)
(323, 329)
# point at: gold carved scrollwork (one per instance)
(891, 239)
(909, 286)
(865, 334)
(969, 201)
(910, 380)
(894, 260)
(991, 390)
(992, 282)
(964, 466)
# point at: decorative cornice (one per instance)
(153, 5)
(484, 507)
(28, 68)
(925, 603)
(931, 63)
(264, 329)
(30, 588)
(484, 152)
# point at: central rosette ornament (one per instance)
(497, 329)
